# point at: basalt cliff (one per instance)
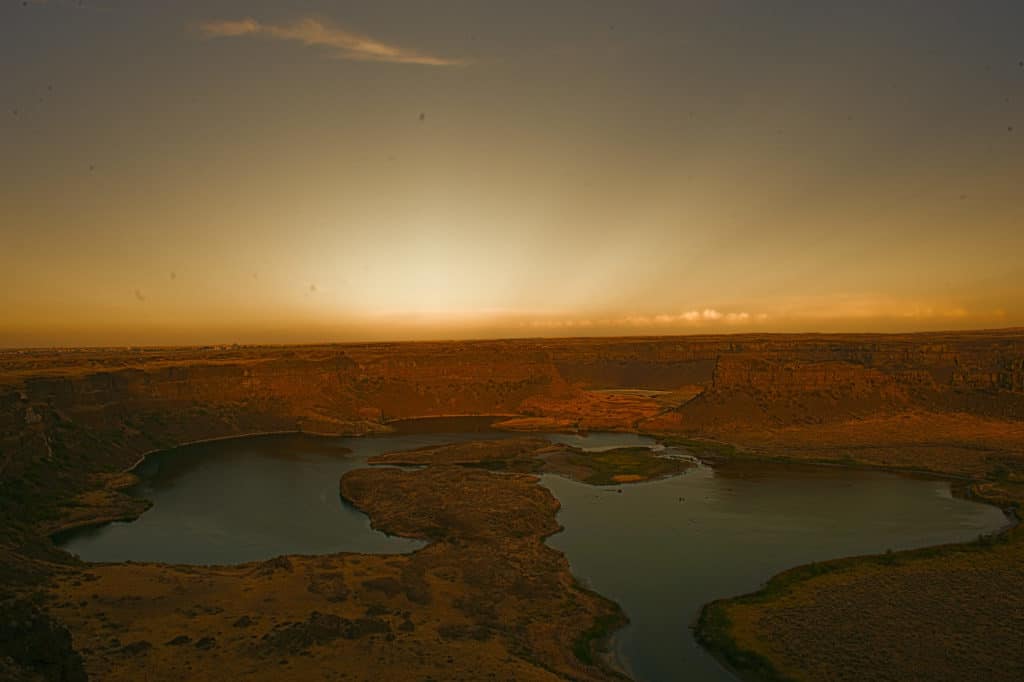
(96, 411)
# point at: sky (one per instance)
(268, 172)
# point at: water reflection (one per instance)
(663, 549)
(660, 549)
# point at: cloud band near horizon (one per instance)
(315, 33)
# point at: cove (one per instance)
(664, 549)
(253, 498)
(660, 549)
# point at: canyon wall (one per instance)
(145, 397)
(70, 414)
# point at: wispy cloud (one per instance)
(706, 315)
(75, 4)
(687, 318)
(342, 43)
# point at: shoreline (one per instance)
(715, 637)
(248, 434)
(129, 516)
(132, 515)
(607, 649)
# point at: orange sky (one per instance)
(235, 171)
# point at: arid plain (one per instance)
(486, 592)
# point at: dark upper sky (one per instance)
(268, 171)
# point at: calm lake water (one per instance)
(660, 549)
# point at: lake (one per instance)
(660, 549)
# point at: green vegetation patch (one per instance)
(713, 633)
(522, 466)
(702, 448)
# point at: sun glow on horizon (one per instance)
(497, 171)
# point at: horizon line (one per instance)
(323, 343)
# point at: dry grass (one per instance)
(486, 595)
(946, 613)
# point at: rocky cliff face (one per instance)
(70, 414)
(142, 399)
(971, 373)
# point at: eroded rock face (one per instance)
(888, 372)
(68, 416)
(142, 400)
(338, 387)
